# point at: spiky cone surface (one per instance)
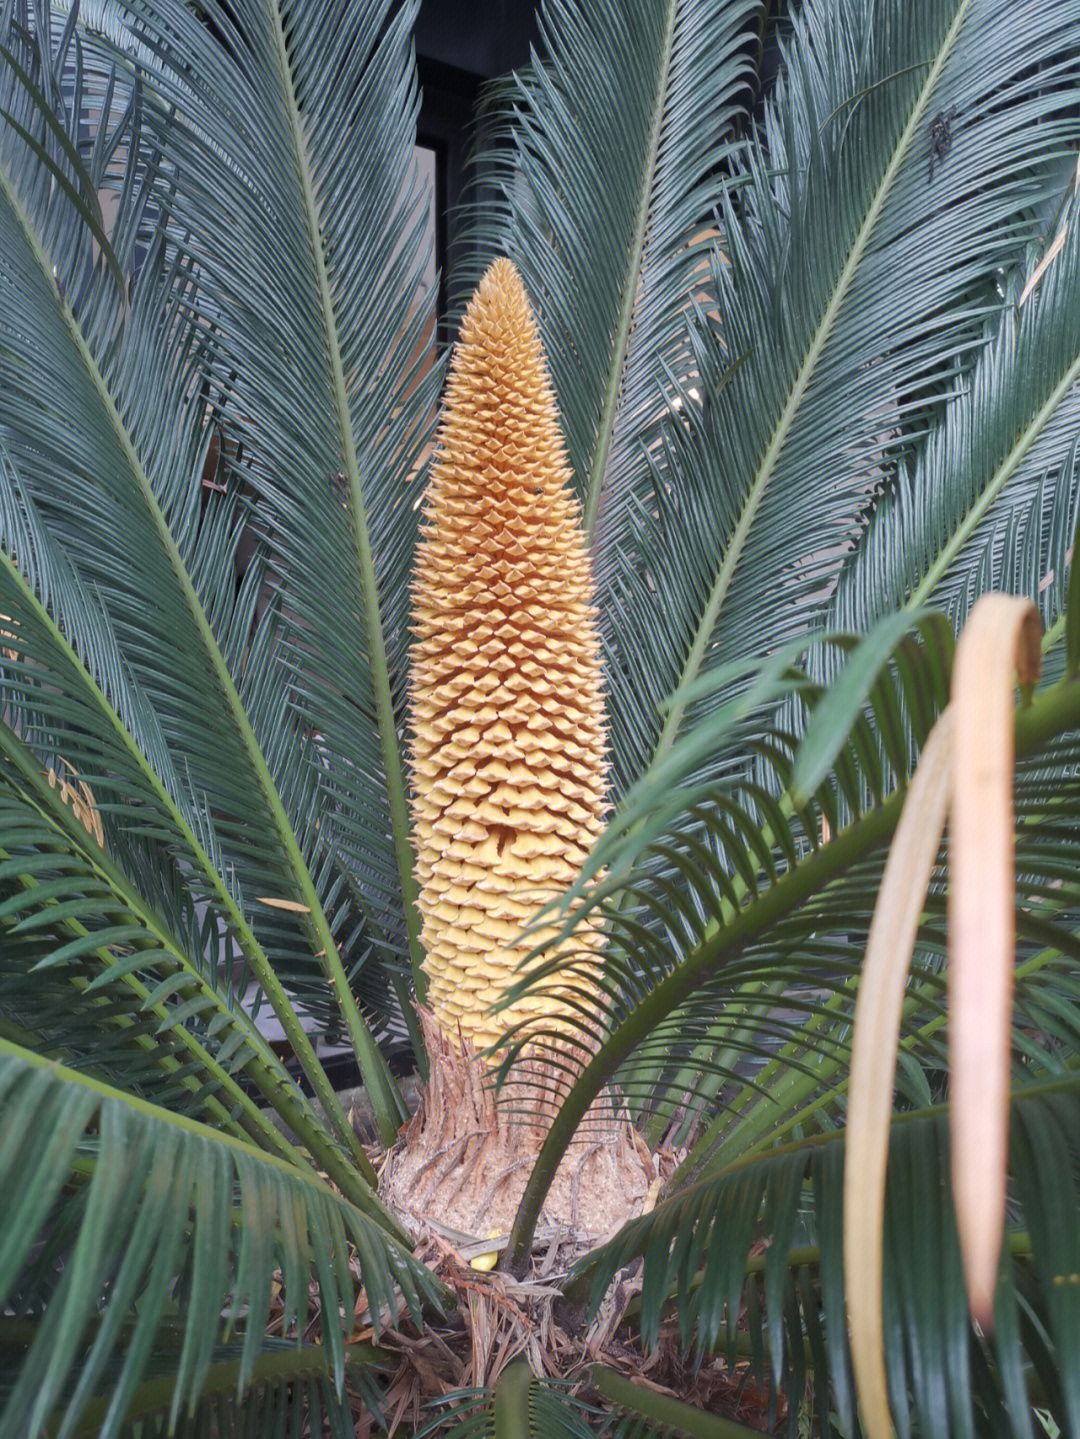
(508, 753)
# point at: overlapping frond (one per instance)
(157, 1194)
(603, 198)
(855, 272)
(803, 1082)
(750, 895)
(113, 483)
(520, 1405)
(96, 974)
(863, 738)
(310, 244)
(76, 706)
(990, 501)
(286, 1380)
(705, 1266)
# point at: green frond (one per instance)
(991, 499)
(657, 1413)
(723, 914)
(847, 285)
(115, 480)
(160, 1196)
(95, 976)
(286, 1380)
(520, 1406)
(703, 1268)
(106, 731)
(604, 199)
(306, 118)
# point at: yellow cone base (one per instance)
(463, 1163)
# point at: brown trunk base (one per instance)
(463, 1162)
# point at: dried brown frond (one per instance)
(78, 794)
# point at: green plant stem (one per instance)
(672, 1414)
(1048, 715)
(511, 1408)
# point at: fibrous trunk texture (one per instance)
(508, 763)
(466, 1157)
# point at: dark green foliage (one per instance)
(819, 394)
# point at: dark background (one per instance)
(459, 45)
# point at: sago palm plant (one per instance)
(807, 285)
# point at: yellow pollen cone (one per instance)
(505, 701)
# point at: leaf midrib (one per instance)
(1004, 472)
(393, 769)
(756, 1132)
(634, 267)
(106, 1093)
(163, 1057)
(760, 482)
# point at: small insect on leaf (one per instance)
(941, 136)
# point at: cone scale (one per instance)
(508, 752)
(508, 771)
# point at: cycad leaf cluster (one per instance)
(808, 291)
(155, 1193)
(700, 1270)
(851, 284)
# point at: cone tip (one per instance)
(501, 275)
